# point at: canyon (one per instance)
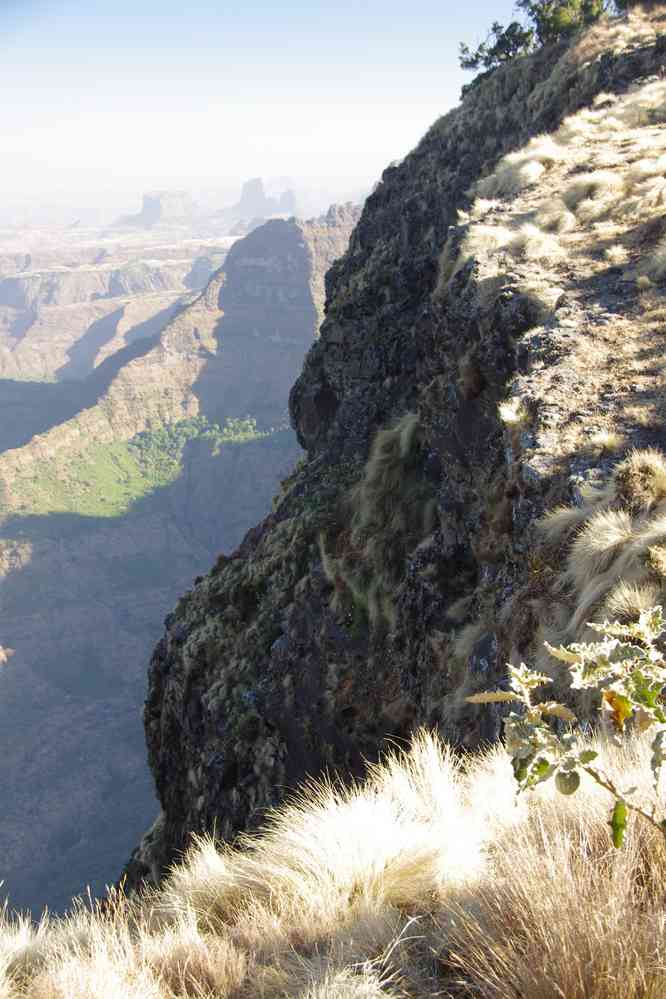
(144, 431)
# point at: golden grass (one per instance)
(616, 200)
(426, 879)
(616, 255)
(519, 170)
(614, 564)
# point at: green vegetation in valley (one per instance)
(106, 479)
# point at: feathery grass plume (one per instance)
(605, 442)
(519, 170)
(627, 601)
(655, 265)
(616, 255)
(593, 195)
(597, 544)
(531, 243)
(640, 480)
(557, 218)
(390, 512)
(615, 537)
(561, 521)
(352, 983)
(513, 411)
(544, 297)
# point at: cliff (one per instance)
(66, 307)
(105, 518)
(488, 354)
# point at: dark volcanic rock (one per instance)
(269, 669)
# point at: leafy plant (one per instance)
(501, 45)
(546, 21)
(628, 671)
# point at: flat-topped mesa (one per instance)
(161, 208)
(255, 203)
(469, 338)
(164, 206)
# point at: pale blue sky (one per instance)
(124, 94)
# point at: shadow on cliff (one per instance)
(267, 327)
(31, 408)
(82, 354)
(104, 586)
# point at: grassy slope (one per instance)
(427, 879)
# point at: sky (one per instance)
(126, 95)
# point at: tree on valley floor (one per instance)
(546, 21)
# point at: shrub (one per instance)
(501, 45)
(547, 21)
(628, 671)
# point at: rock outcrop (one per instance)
(161, 208)
(442, 410)
(255, 203)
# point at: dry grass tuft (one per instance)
(626, 602)
(388, 514)
(593, 195)
(641, 479)
(616, 255)
(403, 886)
(521, 169)
(605, 533)
(622, 139)
(615, 565)
(512, 412)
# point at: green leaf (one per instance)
(520, 769)
(658, 758)
(587, 756)
(567, 783)
(541, 770)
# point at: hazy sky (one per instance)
(124, 94)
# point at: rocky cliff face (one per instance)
(72, 581)
(446, 404)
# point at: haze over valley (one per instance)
(144, 375)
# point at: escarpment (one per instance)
(490, 352)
